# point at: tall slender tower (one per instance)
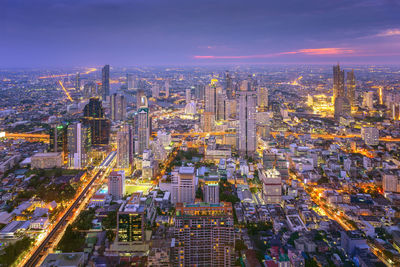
(338, 82)
(118, 107)
(166, 88)
(78, 145)
(105, 81)
(262, 98)
(210, 108)
(143, 125)
(247, 101)
(125, 151)
(351, 87)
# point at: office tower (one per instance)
(272, 186)
(368, 100)
(221, 106)
(143, 129)
(188, 95)
(230, 109)
(338, 82)
(90, 90)
(130, 82)
(118, 107)
(93, 116)
(59, 140)
(139, 98)
(116, 184)
(229, 85)
(105, 82)
(380, 94)
(210, 109)
(155, 90)
(199, 92)
(130, 222)
(370, 135)
(211, 191)
(166, 87)
(342, 107)
(247, 101)
(351, 88)
(183, 185)
(78, 145)
(125, 147)
(262, 98)
(77, 82)
(204, 235)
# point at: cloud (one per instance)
(310, 51)
(389, 32)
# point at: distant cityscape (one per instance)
(275, 165)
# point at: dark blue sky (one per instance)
(37, 33)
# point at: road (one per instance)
(37, 253)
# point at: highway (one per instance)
(33, 258)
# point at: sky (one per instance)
(44, 33)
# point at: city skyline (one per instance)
(130, 33)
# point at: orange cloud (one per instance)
(310, 51)
(390, 32)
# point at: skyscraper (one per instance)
(342, 107)
(125, 147)
(183, 185)
(221, 106)
(77, 82)
(351, 88)
(155, 90)
(139, 95)
(105, 82)
(204, 235)
(166, 85)
(116, 184)
(130, 80)
(130, 223)
(338, 82)
(229, 85)
(247, 101)
(78, 145)
(93, 116)
(210, 109)
(143, 129)
(262, 98)
(89, 90)
(188, 95)
(118, 107)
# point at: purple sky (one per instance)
(39, 33)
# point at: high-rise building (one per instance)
(351, 88)
(130, 222)
(210, 107)
(116, 184)
(93, 116)
(262, 98)
(130, 80)
(77, 82)
(143, 129)
(155, 90)
(342, 107)
(396, 112)
(211, 191)
(370, 135)
(229, 86)
(272, 186)
(368, 100)
(166, 88)
(139, 98)
(338, 82)
(221, 106)
(90, 90)
(204, 235)
(58, 138)
(125, 147)
(118, 107)
(78, 145)
(247, 101)
(199, 92)
(105, 82)
(183, 185)
(188, 95)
